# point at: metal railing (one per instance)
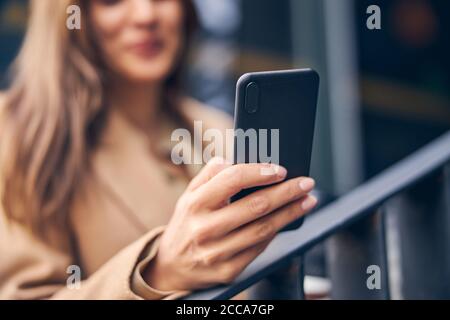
(416, 191)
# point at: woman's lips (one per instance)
(147, 48)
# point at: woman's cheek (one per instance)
(108, 19)
(107, 33)
(108, 23)
(172, 18)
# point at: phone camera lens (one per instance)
(252, 98)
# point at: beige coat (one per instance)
(116, 217)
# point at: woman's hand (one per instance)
(209, 241)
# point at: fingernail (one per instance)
(273, 169)
(307, 184)
(281, 172)
(309, 203)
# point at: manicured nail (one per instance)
(281, 172)
(309, 203)
(273, 169)
(307, 184)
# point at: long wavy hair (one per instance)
(54, 110)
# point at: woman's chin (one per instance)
(147, 76)
(139, 69)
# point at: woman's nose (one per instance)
(144, 12)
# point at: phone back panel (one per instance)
(283, 100)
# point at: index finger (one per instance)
(231, 180)
(213, 167)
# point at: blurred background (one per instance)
(384, 93)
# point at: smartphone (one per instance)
(274, 122)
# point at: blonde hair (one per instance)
(53, 113)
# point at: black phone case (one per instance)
(284, 100)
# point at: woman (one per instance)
(87, 184)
